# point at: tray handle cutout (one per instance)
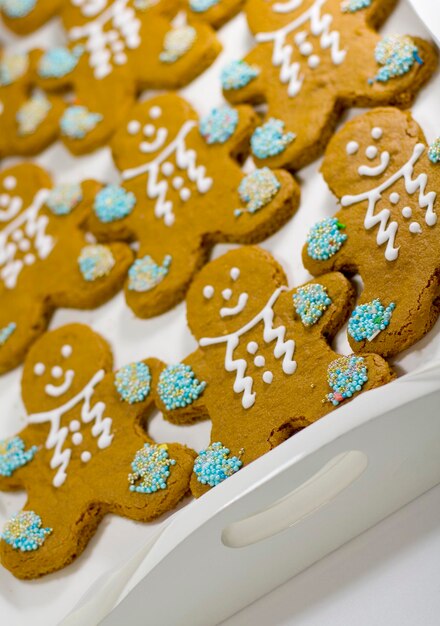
(335, 476)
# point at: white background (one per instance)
(390, 575)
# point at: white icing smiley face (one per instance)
(64, 377)
(372, 154)
(240, 301)
(152, 137)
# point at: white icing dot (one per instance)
(58, 480)
(208, 292)
(56, 371)
(167, 169)
(74, 426)
(29, 259)
(17, 235)
(66, 351)
(177, 182)
(77, 439)
(314, 61)
(300, 37)
(149, 130)
(120, 58)
(352, 147)
(371, 152)
(377, 132)
(39, 369)
(112, 36)
(85, 456)
(234, 273)
(306, 48)
(407, 212)
(415, 228)
(185, 194)
(4, 199)
(117, 46)
(227, 293)
(394, 197)
(169, 219)
(10, 182)
(260, 361)
(24, 245)
(268, 377)
(252, 347)
(155, 113)
(133, 127)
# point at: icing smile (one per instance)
(238, 308)
(59, 390)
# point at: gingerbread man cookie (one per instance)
(312, 59)
(183, 191)
(46, 258)
(121, 47)
(29, 118)
(25, 16)
(264, 365)
(215, 12)
(84, 451)
(387, 181)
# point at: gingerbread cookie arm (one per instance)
(244, 81)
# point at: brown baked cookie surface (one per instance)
(25, 16)
(264, 368)
(188, 193)
(46, 258)
(117, 49)
(84, 451)
(215, 12)
(312, 59)
(387, 181)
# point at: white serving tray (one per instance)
(181, 562)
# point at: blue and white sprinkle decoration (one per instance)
(368, 320)
(133, 382)
(178, 386)
(213, 465)
(25, 532)
(151, 469)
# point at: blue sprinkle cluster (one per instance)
(57, 62)
(368, 320)
(213, 466)
(397, 54)
(434, 151)
(325, 239)
(95, 261)
(12, 67)
(257, 189)
(24, 532)
(62, 199)
(178, 386)
(13, 454)
(145, 273)
(6, 332)
(219, 125)
(77, 121)
(32, 113)
(351, 6)
(237, 74)
(269, 140)
(133, 382)
(346, 376)
(200, 6)
(310, 302)
(17, 8)
(151, 465)
(113, 203)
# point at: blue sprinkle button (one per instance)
(325, 239)
(57, 62)
(32, 114)
(177, 42)
(368, 320)
(13, 455)
(310, 302)
(434, 151)
(219, 125)
(113, 203)
(17, 8)
(397, 54)
(346, 376)
(200, 6)
(95, 261)
(77, 122)
(12, 67)
(151, 469)
(145, 273)
(62, 199)
(213, 466)
(24, 532)
(269, 140)
(133, 382)
(6, 332)
(237, 74)
(351, 6)
(178, 386)
(257, 189)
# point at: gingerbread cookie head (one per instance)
(46, 259)
(262, 373)
(387, 181)
(215, 12)
(84, 451)
(123, 46)
(182, 191)
(313, 58)
(25, 16)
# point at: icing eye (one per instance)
(155, 113)
(133, 127)
(371, 152)
(352, 147)
(234, 273)
(376, 133)
(56, 371)
(149, 130)
(39, 369)
(66, 351)
(227, 293)
(208, 292)
(9, 183)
